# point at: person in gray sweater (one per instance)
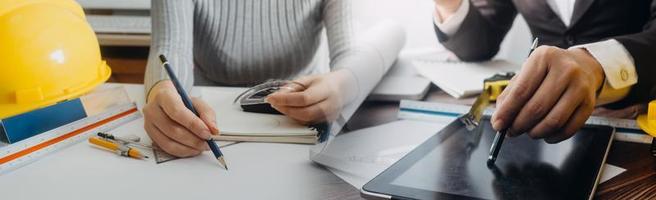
(243, 43)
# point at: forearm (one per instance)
(368, 61)
(173, 37)
(480, 32)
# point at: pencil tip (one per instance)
(162, 58)
(222, 162)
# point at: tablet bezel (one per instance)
(381, 188)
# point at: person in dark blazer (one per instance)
(593, 52)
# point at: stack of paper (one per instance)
(462, 79)
(237, 125)
(359, 156)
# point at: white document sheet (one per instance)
(402, 81)
(352, 179)
(367, 152)
(462, 79)
(609, 172)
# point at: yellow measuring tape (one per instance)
(492, 88)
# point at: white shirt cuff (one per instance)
(451, 24)
(616, 61)
(618, 66)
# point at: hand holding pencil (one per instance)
(187, 102)
(172, 126)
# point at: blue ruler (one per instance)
(626, 129)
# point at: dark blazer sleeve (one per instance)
(642, 47)
(482, 30)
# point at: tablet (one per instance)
(452, 165)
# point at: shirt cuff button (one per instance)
(624, 75)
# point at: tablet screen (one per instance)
(453, 164)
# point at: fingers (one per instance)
(549, 92)
(173, 130)
(206, 114)
(551, 98)
(575, 123)
(173, 106)
(504, 93)
(310, 96)
(300, 96)
(558, 116)
(168, 144)
(308, 115)
(307, 80)
(294, 86)
(521, 90)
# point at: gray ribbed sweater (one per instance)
(245, 42)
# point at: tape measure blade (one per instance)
(627, 129)
(461, 109)
(430, 111)
(618, 123)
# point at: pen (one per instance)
(187, 102)
(119, 149)
(498, 138)
(123, 140)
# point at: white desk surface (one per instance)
(257, 171)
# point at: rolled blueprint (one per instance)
(375, 51)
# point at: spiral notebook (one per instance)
(237, 125)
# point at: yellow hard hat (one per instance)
(48, 54)
(647, 122)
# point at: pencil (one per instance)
(498, 138)
(187, 102)
(119, 149)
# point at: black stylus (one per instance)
(498, 138)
